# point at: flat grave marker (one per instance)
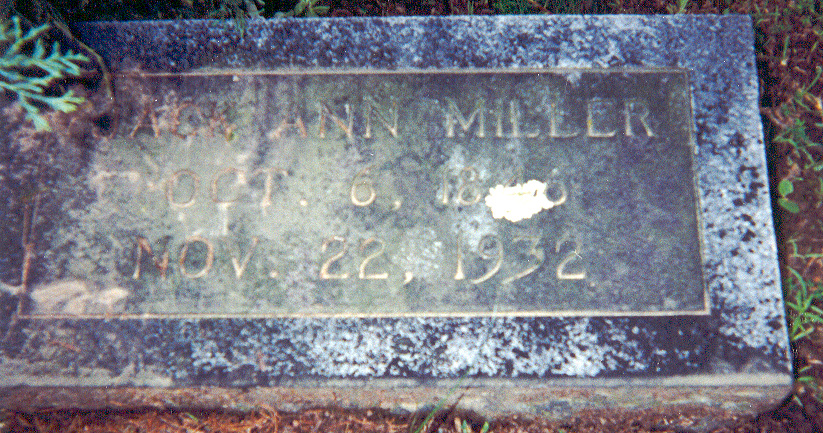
(364, 211)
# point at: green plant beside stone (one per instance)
(306, 8)
(784, 188)
(809, 381)
(511, 7)
(541, 6)
(237, 10)
(28, 74)
(679, 9)
(804, 313)
(803, 316)
(464, 427)
(794, 132)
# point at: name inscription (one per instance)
(602, 117)
(399, 193)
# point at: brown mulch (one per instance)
(785, 419)
(790, 47)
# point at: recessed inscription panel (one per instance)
(533, 193)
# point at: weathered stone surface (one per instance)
(540, 203)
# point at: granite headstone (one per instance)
(553, 212)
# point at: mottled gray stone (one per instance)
(671, 219)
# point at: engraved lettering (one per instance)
(453, 116)
(239, 179)
(285, 125)
(362, 180)
(324, 268)
(240, 266)
(181, 119)
(469, 179)
(514, 118)
(574, 254)
(563, 194)
(637, 109)
(498, 124)
(554, 130)
(189, 120)
(482, 248)
(174, 181)
(224, 217)
(468, 191)
(148, 111)
(268, 184)
(345, 126)
(162, 265)
(372, 107)
(444, 198)
(218, 120)
(533, 252)
(596, 110)
(209, 257)
(362, 273)
(171, 116)
(458, 273)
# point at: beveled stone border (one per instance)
(745, 333)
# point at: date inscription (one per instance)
(412, 193)
(459, 188)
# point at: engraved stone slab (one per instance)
(542, 204)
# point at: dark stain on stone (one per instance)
(738, 143)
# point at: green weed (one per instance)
(237, 10)
(805, 99)
(804, 315)
(784, 188)
(423, 427)
(819, 192)
(680, 8)
(508, 7)
(305, 8)
(809, 382)
(801, 299)
(540, 6)
(795, 135)
(464, 427)
(564, 6)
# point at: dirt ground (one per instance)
(789, 417)
(788, 33)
